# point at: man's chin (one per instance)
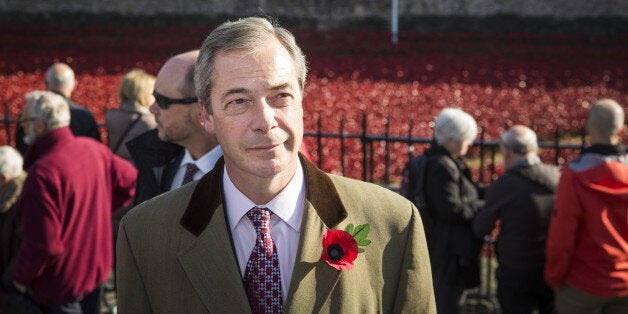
(29, 140)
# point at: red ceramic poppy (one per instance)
(339, 249)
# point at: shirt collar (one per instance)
(526, 161)
(206, 163)
(287, 207)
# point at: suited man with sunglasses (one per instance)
(164, 155)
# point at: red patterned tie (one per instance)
(190, 171)
(262, 279)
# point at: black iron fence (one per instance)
(486, 165)
(485, 156)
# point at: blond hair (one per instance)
(137, 86)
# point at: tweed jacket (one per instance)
(175, 252)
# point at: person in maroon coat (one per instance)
(64, 211)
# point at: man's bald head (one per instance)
(520, 140)
(60, 79)
(606, 122)
(179, 70)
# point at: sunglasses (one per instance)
(164, 102)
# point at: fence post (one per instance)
(387, 152)
(583, 136)
(364, 149)
(7, 123)
(342, 145)
(410, 144)
(481, 179)
(556, 145)
(319, 141)
(493, 170)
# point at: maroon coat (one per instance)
(64, 212)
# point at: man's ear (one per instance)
(4, 178)
(622, 132)
(40, 127)
(207, 120)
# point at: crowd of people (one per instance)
(205, 200)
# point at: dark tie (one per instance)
(190, 171)
(262, 279)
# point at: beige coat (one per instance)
(118, 120)
(175, 253)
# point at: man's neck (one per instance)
(261, 190)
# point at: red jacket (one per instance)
(72, 187)
(587, 245)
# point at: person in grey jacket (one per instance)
(522, 200)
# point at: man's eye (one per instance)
(281, 98)
(237, 106)
(239, 101)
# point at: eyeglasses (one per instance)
(164, 102)
(24, 120)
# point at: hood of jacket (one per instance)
(605, 174)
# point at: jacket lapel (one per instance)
(210, 261)
(312, 279)
(212, 269)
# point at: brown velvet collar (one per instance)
(207, 196)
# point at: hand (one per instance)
(20, 287)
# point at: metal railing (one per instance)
(368, 142)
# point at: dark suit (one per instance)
(157, 163)
(175, 252)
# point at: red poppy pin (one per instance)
(341, 247)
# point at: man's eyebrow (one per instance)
(280, 86)
(234, 91)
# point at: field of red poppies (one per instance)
(545, 81)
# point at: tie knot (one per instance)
(260, 217)
(190, 171)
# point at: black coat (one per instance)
(452, 201)
(157, 163)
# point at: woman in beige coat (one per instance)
(133, 117)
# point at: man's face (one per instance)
(257, 113)
(32, 126)
(178, 122)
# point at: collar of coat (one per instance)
(207, 196)
(45, 143)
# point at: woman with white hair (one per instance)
(452, 199)
(11, 181)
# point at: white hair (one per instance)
(10, 162)
(50, 107)
(454, 123)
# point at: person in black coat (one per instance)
(522, 200)
(452, 200)
(180, 139)
(60, 79)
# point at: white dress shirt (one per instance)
(285, 224)
(205, 164)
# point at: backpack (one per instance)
(413, 181)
